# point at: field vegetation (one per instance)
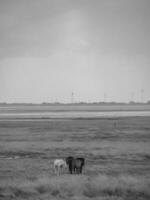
(117, 153)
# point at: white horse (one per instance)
(59, 166)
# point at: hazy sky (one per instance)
(50, 48)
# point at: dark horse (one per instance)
(75, 165)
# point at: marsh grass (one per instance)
(73, 186)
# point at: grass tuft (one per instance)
(71, 187)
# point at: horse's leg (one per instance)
(70, 169)
(75, 169)
(61, 169)
(58, 172)
(81, 170)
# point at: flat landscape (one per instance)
(116, 150)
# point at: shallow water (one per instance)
(74, 114)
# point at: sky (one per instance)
(96, 49)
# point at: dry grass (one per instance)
(73, 186)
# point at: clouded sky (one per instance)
(50, 48)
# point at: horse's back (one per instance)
(59, 162)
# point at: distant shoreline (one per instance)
(75, 104)
(72, 115)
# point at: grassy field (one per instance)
(117, 153)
